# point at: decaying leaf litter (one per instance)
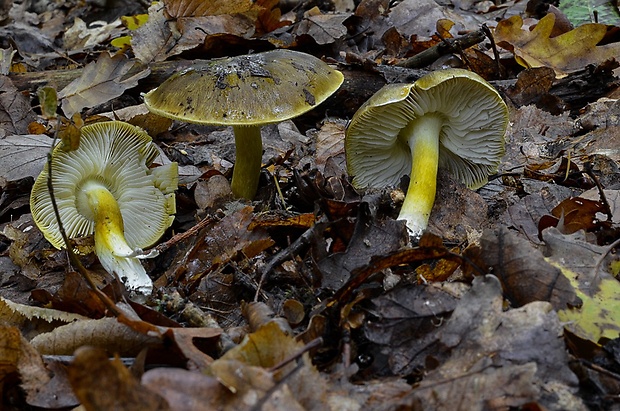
(313, 295)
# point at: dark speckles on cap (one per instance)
(309, 97)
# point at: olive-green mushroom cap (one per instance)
(471, 140)
(116, 155)
(247, 90)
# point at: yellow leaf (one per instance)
(122, 42)
(566, 53)
(133, 22)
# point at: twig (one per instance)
(598, 368)
(312, 344)
(430, 55)
(184, 235)
(587, 168)
(262, 401)
(598, 264)
(489, 35)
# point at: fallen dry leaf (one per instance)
(153, 41)
(574, 214)
(370, 239)
(17, 356)
(184, 339)
(80, 36)
(100, 82)
(23, 155)
(566, 53)
(330, 144)
(492, 359)
(523, 272)
(222, 242)
(419, 18)
(246, 371)
(323, 28)
(187, 390)
(612, 197)
(406, 320)
(197, 8)
(531, 86)
(103, 384)
(15, 110)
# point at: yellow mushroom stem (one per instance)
(422, 135)
(111, 246)
(249, 155)
(109, 228)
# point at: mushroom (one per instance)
(451, 119)
(105, 186)
(246, 92)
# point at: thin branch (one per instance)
(587, 168)
(430, 55)
(286, 254)
(184, 235)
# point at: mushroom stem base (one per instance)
(249, 155)
(422, 135)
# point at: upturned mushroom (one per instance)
(106, 187)
(451, 119)
(246, 92)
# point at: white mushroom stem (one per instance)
(111, 246)
(422, 135)
(249, 155)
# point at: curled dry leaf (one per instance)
(16, 355)
(257, 314)
(106, 333)
(185, 338)
(293, 311)
(33, 320)
(574, 214)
